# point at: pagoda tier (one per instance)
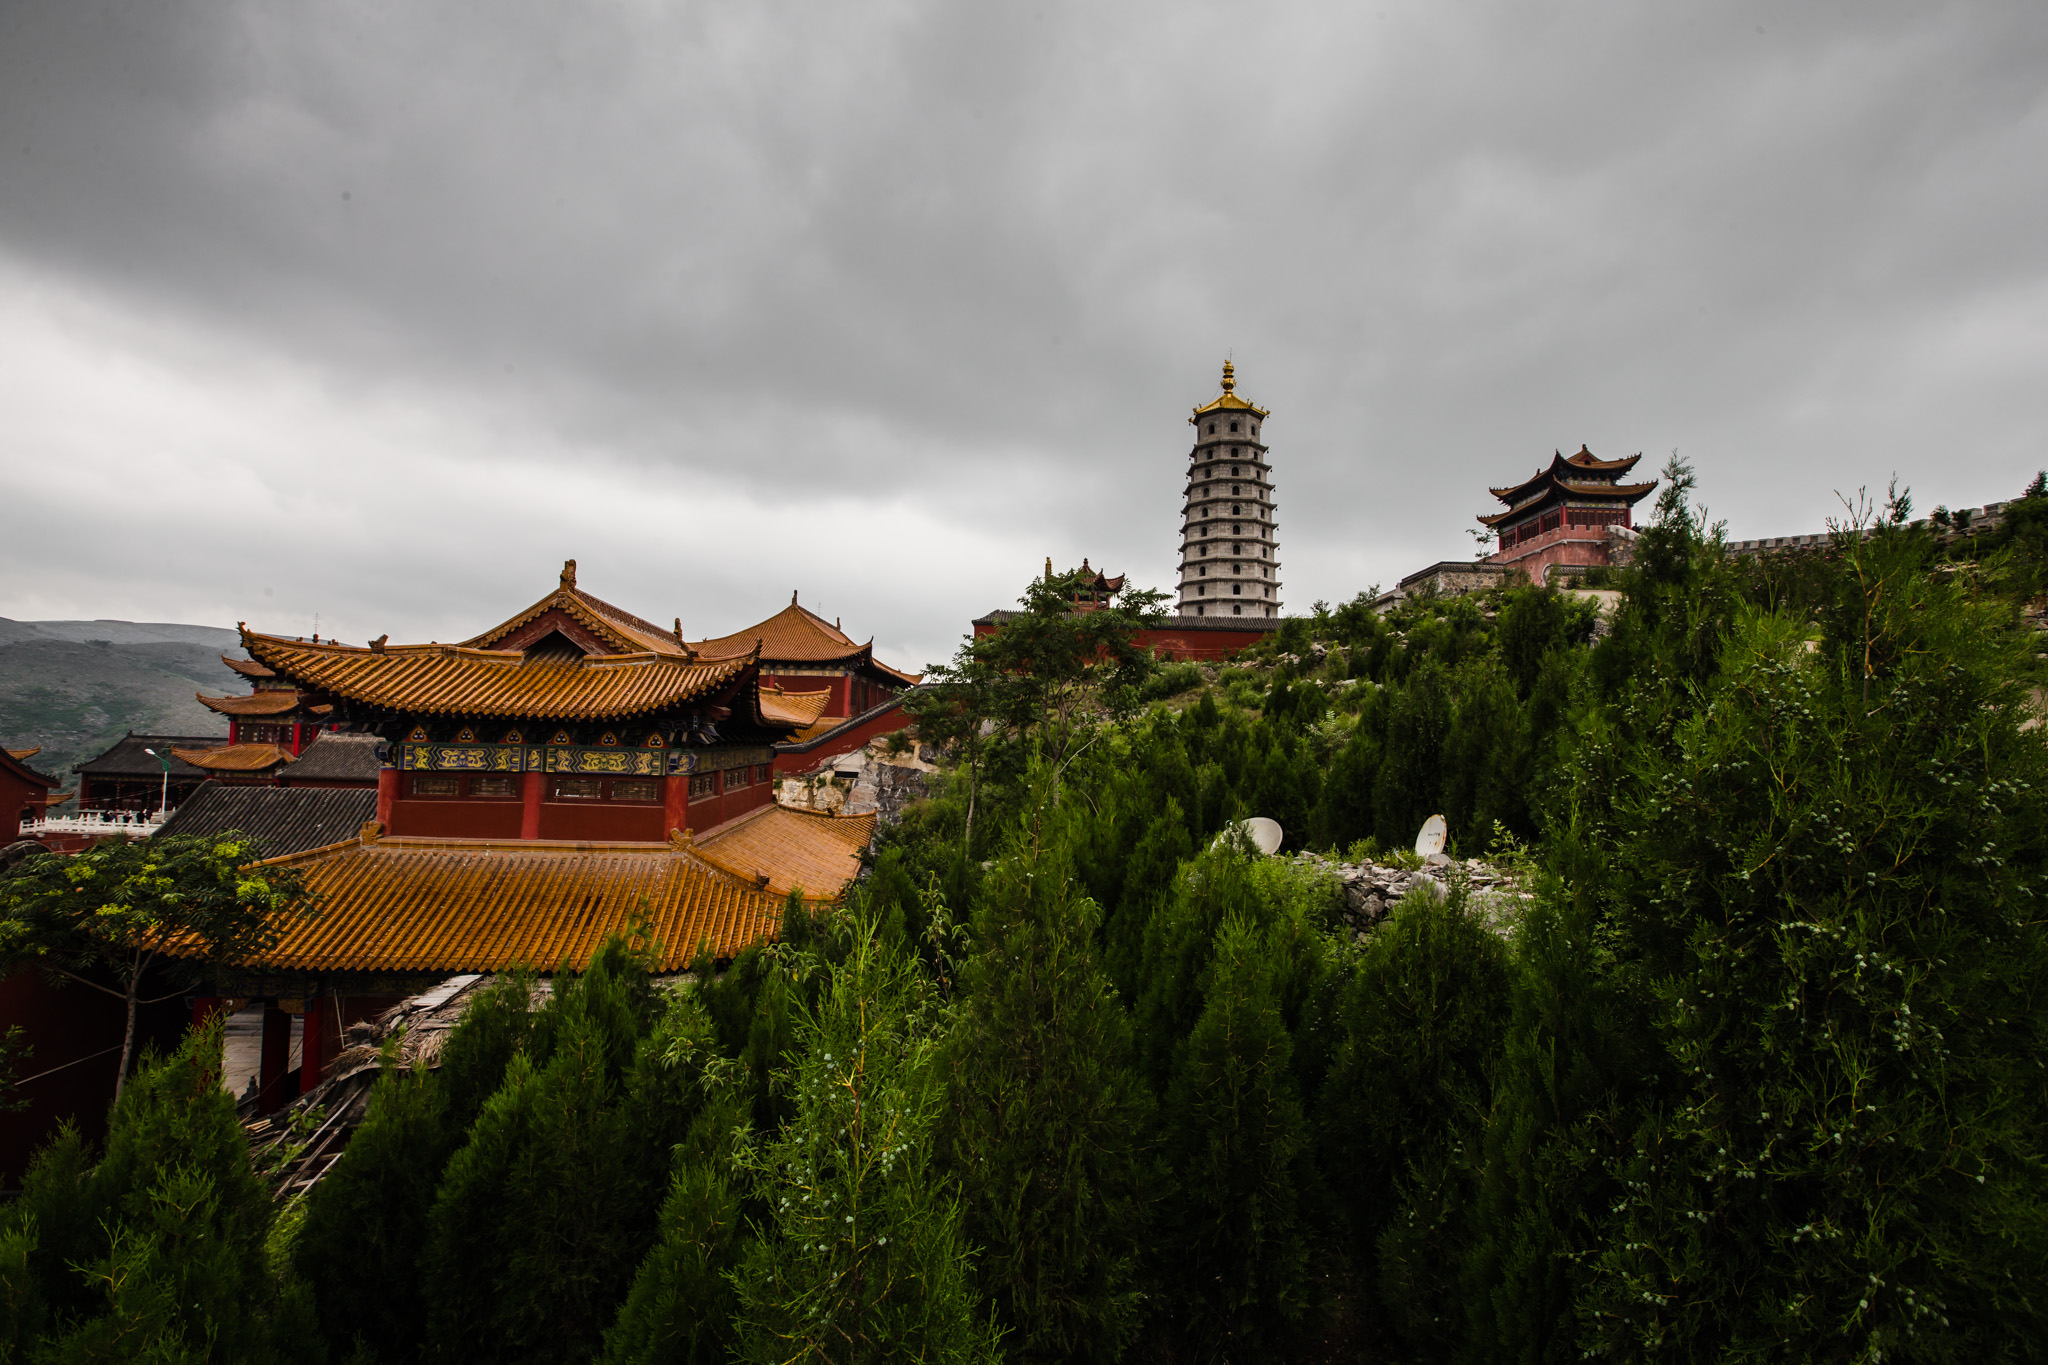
(1230, 549)
(801, 651)
(1568, 513)
(572, 720)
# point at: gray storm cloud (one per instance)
(381, 310)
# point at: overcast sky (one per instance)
(381, 310)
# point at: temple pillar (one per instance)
(532, 787)
(272, 1088)
(387, 796)
(676, 800)
(317, 1036)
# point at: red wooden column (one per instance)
(317, 1038)
(273, 1086)
(532, 787)
(676, 801)
(387, 795)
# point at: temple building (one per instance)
(24, 792)
(574, 720)
(801, 653)
(1230, 550)
(1568, 516)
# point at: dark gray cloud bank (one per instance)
(380, 310)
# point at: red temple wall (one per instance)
(1561, 545)
(456, 819)
(602, 821)
(15, 793)
(842, 742)
(708, 812)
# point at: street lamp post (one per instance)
(164, 801)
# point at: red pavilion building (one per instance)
(1571, 514)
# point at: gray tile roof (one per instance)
(127, 759)
(285, 819)
(335, 758)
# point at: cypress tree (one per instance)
(1044, 1116)
(1409, 785)
(1833, 875)
(366, 1221)
(1232, 1250)
(861, 1256)
(157, 1250)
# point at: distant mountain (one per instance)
(74, 687)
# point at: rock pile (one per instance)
(1371, 889)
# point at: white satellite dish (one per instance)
(1264, 834)
(1431, 840)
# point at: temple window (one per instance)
(1236, 589)
(579, 789)
(434, 784)
(1212, 428)
(492, 787)
(1233, 471)
(762, 771)
(1233, 490)
(701, 786)
(634, 789)
(1205, 567)
(1233, 426)
(735, 779)
(1201, 589)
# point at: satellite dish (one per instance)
(1265, 833)
(1431, 840)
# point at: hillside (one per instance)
(74, 687)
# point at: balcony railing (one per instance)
(143, 823)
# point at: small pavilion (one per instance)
(1568, 515)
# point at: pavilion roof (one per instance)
(248, 668)
(478, 905)
(1571, 468)
(798, 635)
(624, 632)
(800, 709)
(463, 680)
(235, 758)
(11, 760)
(1229, 401)
(128, 756)
(272, 701)
(282, 819)
(1626, 493)
(783, 850)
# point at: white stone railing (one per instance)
(96, 822)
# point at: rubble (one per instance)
(868, 779)
(1371, 889)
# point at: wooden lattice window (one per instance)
(703, 785)
(634, 789)
(434, 784)
(579, 789)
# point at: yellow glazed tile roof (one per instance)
(449, 905)
(795, 633)
(235, 758)
(794, 849)
(794, 708)
(275, 701)
(458, 680)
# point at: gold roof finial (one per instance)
(1229, 377)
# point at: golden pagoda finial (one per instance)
(1229, 377)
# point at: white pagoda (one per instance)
(1229, 541)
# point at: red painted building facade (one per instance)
(573, 720)
(1569, 514)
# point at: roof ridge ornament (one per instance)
(1229, 377)
(569, 574)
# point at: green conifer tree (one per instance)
(861, 1257)
(1832, 874)
(1045, 1112)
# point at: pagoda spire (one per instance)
(1230, 548)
